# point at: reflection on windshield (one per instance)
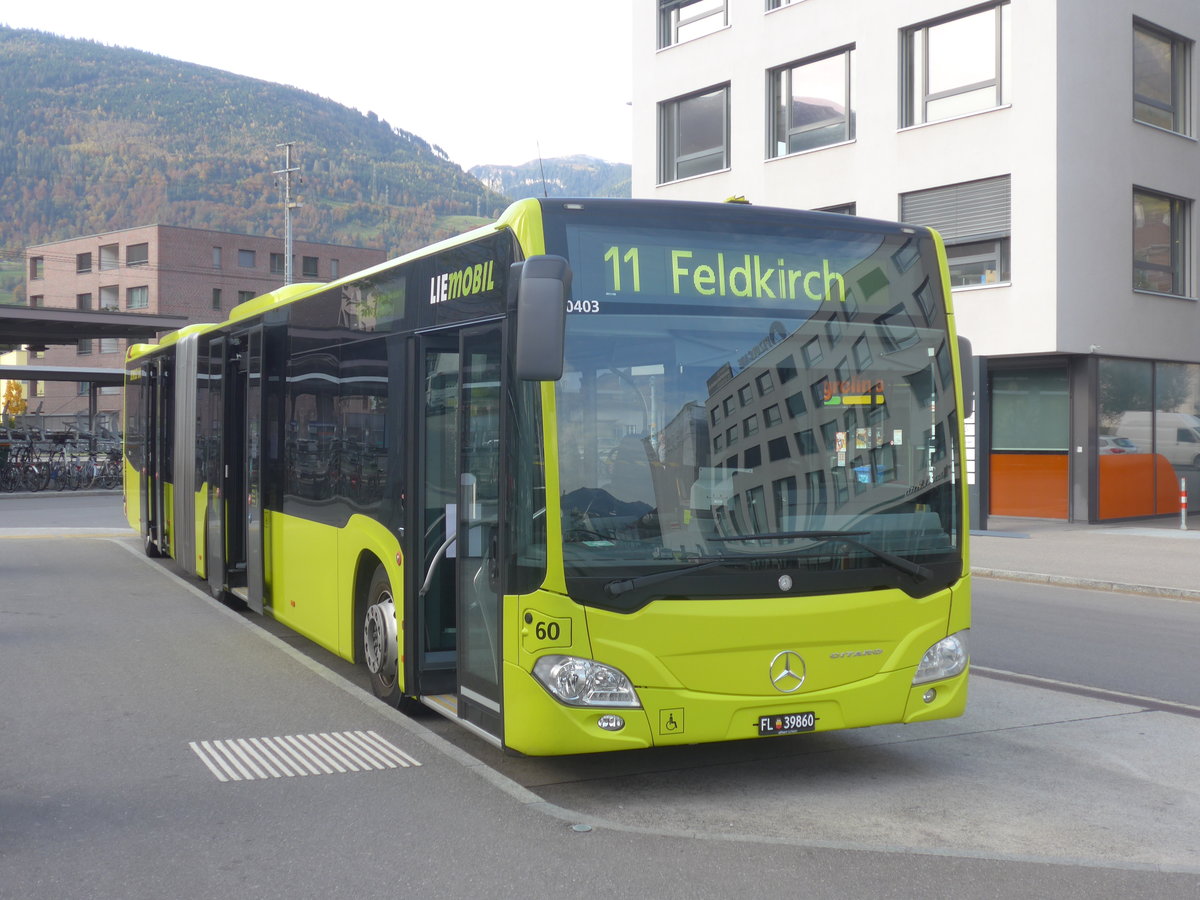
(703, 434)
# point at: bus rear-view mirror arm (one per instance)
(543, 283)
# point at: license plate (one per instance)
(786, 723)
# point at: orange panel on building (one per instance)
(1127, 485)
(1029, 484)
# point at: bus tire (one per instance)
(150, 547)
(379, 639)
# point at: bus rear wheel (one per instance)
(379, 639)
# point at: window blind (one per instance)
(974, 209)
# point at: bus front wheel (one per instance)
(379, 638)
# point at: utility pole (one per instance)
(288, 206)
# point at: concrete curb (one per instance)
(1148, 590)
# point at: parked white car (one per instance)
(1112, 444)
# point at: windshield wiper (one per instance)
(907, 566)
(625, 585)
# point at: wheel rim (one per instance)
(379, 637)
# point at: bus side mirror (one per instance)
(542, 286)
(966, 365)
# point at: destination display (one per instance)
(769, 270)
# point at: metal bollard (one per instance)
(1183, 504)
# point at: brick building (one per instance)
(160, 269)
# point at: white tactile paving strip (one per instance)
(289, 756)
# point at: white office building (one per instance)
(1053, 143)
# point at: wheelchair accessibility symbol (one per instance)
(670, 721)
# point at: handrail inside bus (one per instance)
(437, 557)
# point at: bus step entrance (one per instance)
(446, 704)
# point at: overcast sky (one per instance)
(449, 71)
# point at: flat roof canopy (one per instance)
(43, 326)
(90, 374)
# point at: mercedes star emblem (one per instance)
(787, 671)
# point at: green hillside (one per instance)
(95, 138)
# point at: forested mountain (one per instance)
(95, 138)
(573, 176)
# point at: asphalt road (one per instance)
(1145, 646)
(113, 672)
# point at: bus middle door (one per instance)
(235, 525)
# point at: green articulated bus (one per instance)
(604, 474)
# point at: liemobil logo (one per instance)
(464, 283)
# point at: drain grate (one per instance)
(292, 755)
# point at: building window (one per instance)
(244, 296)
(862, 354)
(216, 258)
(37, 301)
(137, 255)
(110, 297)
(137, 297)
(308, 266)
(83, 301)
(335, 268)
(683, 20)
(1159, 243)
(810, 104)
(786, 369)
(83, 263)
(37, 268)
(1030, 410)
(842, 209)
(110, 345)
(795, 405)
(694, 135)
(278, 264)
(216, 298)
(955, 66)
(1160, 78)
(779, 4)
(246, 259)
(974, 219)
(110, 257)
(83, 347)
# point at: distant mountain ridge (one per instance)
(572, 176)
(96, 138)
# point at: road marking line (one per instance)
(253, 759)
(1083, 690)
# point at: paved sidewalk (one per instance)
(1156, 557)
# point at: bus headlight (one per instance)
(945, 659)
(585, 682)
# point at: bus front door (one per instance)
(478, 576)
(457, 640)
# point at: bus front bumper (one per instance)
(538, 725)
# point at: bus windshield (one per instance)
(756, 409)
